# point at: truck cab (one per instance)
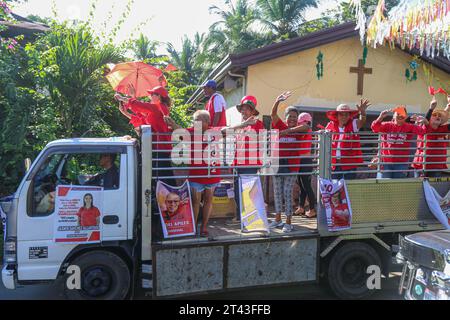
(31, 254)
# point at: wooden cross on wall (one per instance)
(360, 70)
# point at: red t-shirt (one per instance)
(339, 219)
(153, 116)
(306, 143)
(214, 104)
(435, 149)
(195, 163)
(88, 217)
(245, 156)
(396, 137)
(289, 141)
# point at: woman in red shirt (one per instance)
(395, 143)
(434, 147)
(88, 215)
(289, 161)
(152, 113)
(340, 216)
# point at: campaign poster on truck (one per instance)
(175, 208)
(438, 205)
(253, 215)
(78, 214)
(337, 205)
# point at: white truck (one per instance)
(130, 257)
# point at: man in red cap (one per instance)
(216, 104)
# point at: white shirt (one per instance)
(219, 103)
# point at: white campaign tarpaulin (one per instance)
(253, 215)
(439, 206)
(79, 211)
(336, 203)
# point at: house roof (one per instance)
(239, 62)
(22, 26)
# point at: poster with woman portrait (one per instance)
(78, 213)
(337, 205)
(175, 209)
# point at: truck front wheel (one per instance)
(103, 276)
(347, 270)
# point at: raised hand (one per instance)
(384, 113)
(284, 96)
(250, 121)
(433, 103)
(131, 90)
(363, 105)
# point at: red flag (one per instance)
(440, 90)
(431, 91)
(170, 67)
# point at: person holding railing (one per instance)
(246, 153)
(432, 148)
(346, 151)
(289, 161)
(396, 141)
(204, 176)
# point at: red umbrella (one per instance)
(139, 74)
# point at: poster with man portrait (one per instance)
(175, 209)
(337, 205)
(78, 214)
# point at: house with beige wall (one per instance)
(291, 66)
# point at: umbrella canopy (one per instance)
(141, 75)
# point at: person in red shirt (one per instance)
(204, 177)
(216, 105)
(246, 160)
(152, 113)
(395, 144)
(433, 147)
(289, 161)
(346, 149)
(88, 215)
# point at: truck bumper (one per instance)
(8, 277)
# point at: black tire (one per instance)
(347, 270)
(104, 276)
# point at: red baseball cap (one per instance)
(250, 101)
(160, 91)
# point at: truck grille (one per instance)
(422, 256)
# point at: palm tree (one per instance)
(283, 17)
(187, 59)
(234, 32)
(144, 49)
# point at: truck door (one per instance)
(39, 257)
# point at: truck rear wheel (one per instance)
(347, 270)
(104, 276)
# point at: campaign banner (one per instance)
(78, 214)
(253, 214)
(175, 209)
(439, 206)
(337, 205)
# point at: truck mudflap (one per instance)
(8, 277)
(216, 267)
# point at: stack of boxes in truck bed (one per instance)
(223, 200)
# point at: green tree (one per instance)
(187, 59)
(143, 48)
(69, 65)
(233, 33)
(283, 17)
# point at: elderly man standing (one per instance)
(216, 104)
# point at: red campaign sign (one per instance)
(175, 208)
(337, 205)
